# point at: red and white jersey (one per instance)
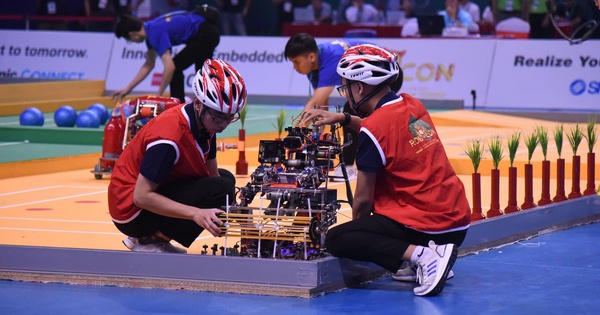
(417, 186)
(171, 127)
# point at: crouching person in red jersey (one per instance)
(409, 205)
(166, 184)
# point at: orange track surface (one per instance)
(69, 208)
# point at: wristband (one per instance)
(346, 119)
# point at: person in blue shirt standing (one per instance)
(198, 30)
(319, 63)
(454, 16)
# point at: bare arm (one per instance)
(213, 169)
(146, 197)
(320, 97)
(363, 197)
(141, 75)
(168, 70)
(323, 117)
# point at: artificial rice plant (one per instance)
(280, 123)
(243, 115)
(474, 150)
(542, 134)
(575, 136)
(592, 134)
(558, 138)
(496, 151)
(513, 146)
(531, 141)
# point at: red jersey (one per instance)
(171, 127)
(417, 186)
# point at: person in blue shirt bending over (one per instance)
(319, 62)
(198, 30)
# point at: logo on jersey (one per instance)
(420, 130)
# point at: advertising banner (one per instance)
(444, 69)
(545, 74)
(54, 55)
(259, 60)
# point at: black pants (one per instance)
(206, 192)
(197, 49)
(381, 240)
(349, 154)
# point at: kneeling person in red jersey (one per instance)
(166, 185)
(409, 203)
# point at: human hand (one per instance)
(208, 219)
(320, 117)
(119, 95)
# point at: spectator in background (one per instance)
(233, 13)
(285, 11)
(504, 9)
(361, 12)
(322, 11)
(487, 15)
(51, 8)
(454, 16)
(408, 7)
(394, 5)
(341, 10)
(106, 9)
(473, 9)
(539, 20)
(569, 11)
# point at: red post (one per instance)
(560, 181)
(575, 190)
(512, 191)
(545, 184)
(528, 187)
(476, 213)
(241, 166)
(495, 205)
(591, 174)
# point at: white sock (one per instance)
(420, 250)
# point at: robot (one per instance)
(125, 122)
(292, 179)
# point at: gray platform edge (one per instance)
(263, 275)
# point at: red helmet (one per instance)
(219, 86)
(369, 64)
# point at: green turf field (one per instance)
(18, 143)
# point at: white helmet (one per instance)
(369, 64)
(220, 87)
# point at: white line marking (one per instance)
(61, 231)
(29, 190)
(52, 199)
(56, 220)
(14, 143)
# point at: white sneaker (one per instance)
(338, 175)
(408, 273)
(152, 245)
(130, 242)
(433, 267)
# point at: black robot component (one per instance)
(291, 181)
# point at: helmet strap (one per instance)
(357, 105)
(198, 117)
